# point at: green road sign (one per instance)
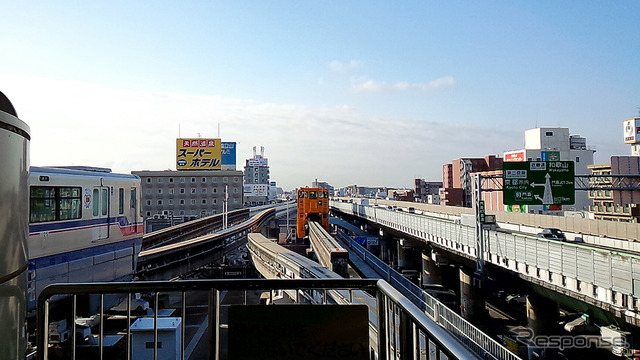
(538, 183)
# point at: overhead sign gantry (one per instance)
(538, 183)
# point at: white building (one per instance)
(256, 179)
(550, 144)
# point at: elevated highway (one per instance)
(606, 278)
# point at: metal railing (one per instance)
(404, 331)
(481, 343)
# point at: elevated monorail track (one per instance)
(329, 252)
(191, 229)
(182, 257)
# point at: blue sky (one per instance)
(364, 92)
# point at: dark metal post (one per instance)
(407, 345)
(214, 324)
(477, 194)
(382, 326)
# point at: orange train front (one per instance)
(313, 205)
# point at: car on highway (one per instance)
(552, 234)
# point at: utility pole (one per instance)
(478, 205)
(225, 208)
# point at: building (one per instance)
(256, 180)
(323, 185)
(401, 195)
(451, 196)
(425, 190)
(553, 144)
(189, 193)
(615, 205)
(458, 175)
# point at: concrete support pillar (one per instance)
(542, 315)
(472, 300)
(431, 273)
(402, 259)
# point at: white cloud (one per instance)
(369, 85)
(84, 124)
(344, 67)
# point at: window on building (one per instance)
(215, 201)
(148, 213)
(204, 191)
(159, 202)
(159, 191)
(159, 180)
(215, 190)
(182, 191)
(204, 201)
(236, 179)
(182, 180)
(193, 179)
(193, 190)
(170, 201)
(577, 159)
(148, 180)
(214, 180)
(204, 179)
(181, 201)
(148, 202)
(170, 179)
(549, 133)
(148, 191)
(193, 201)
(235, 190)
(171, 191)
(225, 179)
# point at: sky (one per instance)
(373, 93)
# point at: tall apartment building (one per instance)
(615, 205)
(552, 144)
(256, 179)
(195, 193)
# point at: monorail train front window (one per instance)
(312, 195)
(54, 203)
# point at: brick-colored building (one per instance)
(457, 175)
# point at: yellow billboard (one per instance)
(198, 154)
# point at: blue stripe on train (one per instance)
(35, 228)
(82, 253)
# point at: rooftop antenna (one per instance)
(262, 151)
(199, 135)
(254, 152)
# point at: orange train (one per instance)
(313, 205)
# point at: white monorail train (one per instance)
(84, 226)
